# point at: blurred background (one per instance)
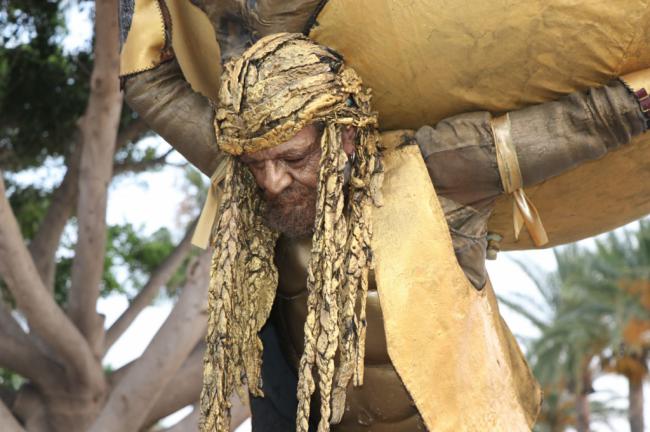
(581, 312)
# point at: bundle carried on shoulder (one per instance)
(430, 59)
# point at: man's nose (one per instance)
(276, 178)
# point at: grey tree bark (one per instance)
(135, 394)
(8, 422)
(60, 354)
(635, 410)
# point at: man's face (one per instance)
(288, 178)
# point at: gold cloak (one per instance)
(447, 341)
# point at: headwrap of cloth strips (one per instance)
(279, 85)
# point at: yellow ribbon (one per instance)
(203, 231)
(523, 210)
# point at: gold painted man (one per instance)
(348, 283)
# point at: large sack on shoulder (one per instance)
(429, 59)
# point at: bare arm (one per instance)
(550, 139)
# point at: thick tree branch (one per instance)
(183, 390)
(29, 407)
(46, 241)
(19, 354)
(190, 423)
(158, 279)
(8, 422)
(98, 128)
(64, 201)
(136, 393)
(45, 318)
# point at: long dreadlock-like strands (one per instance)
(281, 84)
(321, 329)
(338, 281)
(333, 242)
(366, 174)
(242, 287)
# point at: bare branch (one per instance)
(46, 241)
(8, 422)
(29, 407)
(158, 279)
(64, 201)
(183, 390)
(136, 393)
(43, 315)
(98, 128)
(190, 423)
(19, 354)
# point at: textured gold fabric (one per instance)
(427, 60)
(508, 58)
(264, 103)
(638, 80)
(279, 85)
(446, 340)
(192, 38)
(205, 224)
(146, 39)
(195, 46)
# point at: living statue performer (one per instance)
(348, 288)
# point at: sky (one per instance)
(152, 201)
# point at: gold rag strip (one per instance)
(146, 39)
(203, 231)
(638, 80)
(523, 210)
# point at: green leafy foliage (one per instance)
(585, 310)
(130, 259)
(10, 379)
(31, 203)
(42, 90)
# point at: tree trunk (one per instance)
(98, 128)
(635, 411)
(136, 393)
(583, 412)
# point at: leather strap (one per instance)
(523, 210)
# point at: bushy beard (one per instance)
(293, 211)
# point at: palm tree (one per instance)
(562, 357)
(595, 312)
(622, 269)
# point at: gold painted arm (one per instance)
(181, 116)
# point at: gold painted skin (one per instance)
(465, 138)
(414, 355)
(382, 402)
